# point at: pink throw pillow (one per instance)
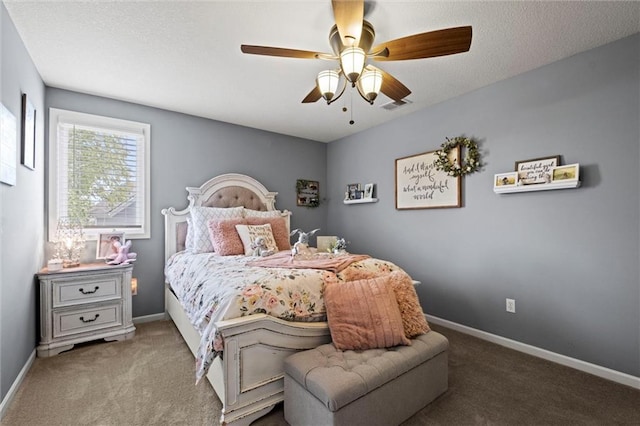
(363, 314)
(413, 320)
(225, 238)
(278, 228)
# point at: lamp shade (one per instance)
(369, 84)
(327, 82)
(352, 62)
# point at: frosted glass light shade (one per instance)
(352, 62)
(327, 83)
(369, 84)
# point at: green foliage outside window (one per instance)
(100, 177)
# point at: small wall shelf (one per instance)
(361, 201)
(558, 177)
(537, 187)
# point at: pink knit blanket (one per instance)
(327, 262)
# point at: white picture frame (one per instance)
(566, 173)
(502, 180)
(368, 191)
(104, 245)
(8, 144)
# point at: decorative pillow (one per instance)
(199, 227)
(262, 213)
(278, 227)
(413, 320)
(224, 237)
(363, 314)
(249, 233)
(189, 240)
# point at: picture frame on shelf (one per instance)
(104, 245)
(566, 173)
(28, 134)
(368, 191)
(352, 190)
(536, 170)
(505, 179)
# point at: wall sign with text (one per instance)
(419, 185)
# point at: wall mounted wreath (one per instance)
(470, 164)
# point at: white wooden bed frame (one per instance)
(249, 379)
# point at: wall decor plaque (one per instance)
(420, 185)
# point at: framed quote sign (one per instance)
(419, 185)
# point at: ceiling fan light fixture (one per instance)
(327, 82)
(369, 84)
(352, 63)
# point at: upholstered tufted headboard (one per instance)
(228, 190)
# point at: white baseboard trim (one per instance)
(596, 370)
(148, 318)
(4, 405)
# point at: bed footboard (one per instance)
(249, 380)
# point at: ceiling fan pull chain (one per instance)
(351, 106)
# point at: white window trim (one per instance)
(55, 116)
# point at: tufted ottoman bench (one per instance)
(326, 386)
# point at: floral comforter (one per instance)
(212, 288)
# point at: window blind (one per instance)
(100, 173)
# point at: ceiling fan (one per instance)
(351, 39)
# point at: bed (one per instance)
(246, 369)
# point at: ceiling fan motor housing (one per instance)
(366, 39)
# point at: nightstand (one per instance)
(88, 302)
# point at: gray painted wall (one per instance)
(21, 211)
(186, 151)
(570, 258)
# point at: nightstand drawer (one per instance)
(68, 292)
(68, 322)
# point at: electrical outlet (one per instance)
(511, 305)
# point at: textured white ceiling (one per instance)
(185, 55)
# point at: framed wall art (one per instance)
(307, 193)
(419, 185)
(28, 152)
(8, 142)
(536, 170)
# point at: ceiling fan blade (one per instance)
(349, 15)
(391, 86)
(279, 51)
(313, 96)
(427, 45)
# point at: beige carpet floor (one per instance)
(149, 380)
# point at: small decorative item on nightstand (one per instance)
(84, 303)
(69, 241)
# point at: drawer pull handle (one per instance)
(81, 290)
(89, 320)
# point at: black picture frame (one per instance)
(28, 134)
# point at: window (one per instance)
(99, 173)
